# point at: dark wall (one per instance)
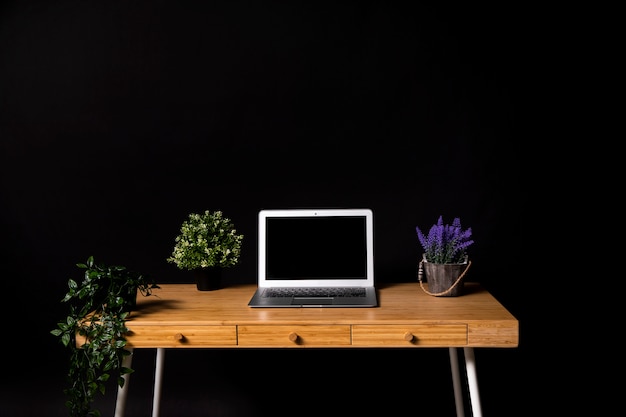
(119, 118)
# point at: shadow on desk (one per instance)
(152, 304)
(468, 288)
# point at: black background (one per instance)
(119, 118)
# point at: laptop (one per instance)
(315, 258)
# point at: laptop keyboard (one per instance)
(314, 292)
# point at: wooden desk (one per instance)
(179, 316)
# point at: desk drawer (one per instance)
(445, 335)
(182, 336)
(294, 336)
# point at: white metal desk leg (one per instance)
(158, 381)
(472, 380)
(456, 382)
(122, 392)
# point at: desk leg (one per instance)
(456, 382)
(122, 392)
(158, 381)
(472, 380)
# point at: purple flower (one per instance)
(445, 243)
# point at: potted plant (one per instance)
(95, 329)
(207, 243)
(445, 257)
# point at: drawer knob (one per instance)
(408, 336)
(293, 337)
(179, 336)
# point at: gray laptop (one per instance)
(315, 258)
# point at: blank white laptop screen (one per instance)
(315, 257)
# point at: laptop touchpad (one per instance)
(307, 301)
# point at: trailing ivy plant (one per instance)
(95, 329)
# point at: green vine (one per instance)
(95, 329)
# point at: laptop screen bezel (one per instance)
(367, 214)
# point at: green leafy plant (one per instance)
(445, 243)
(95, 329)
(206, 240)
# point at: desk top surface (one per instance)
(399, 303)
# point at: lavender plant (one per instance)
(445, 243)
